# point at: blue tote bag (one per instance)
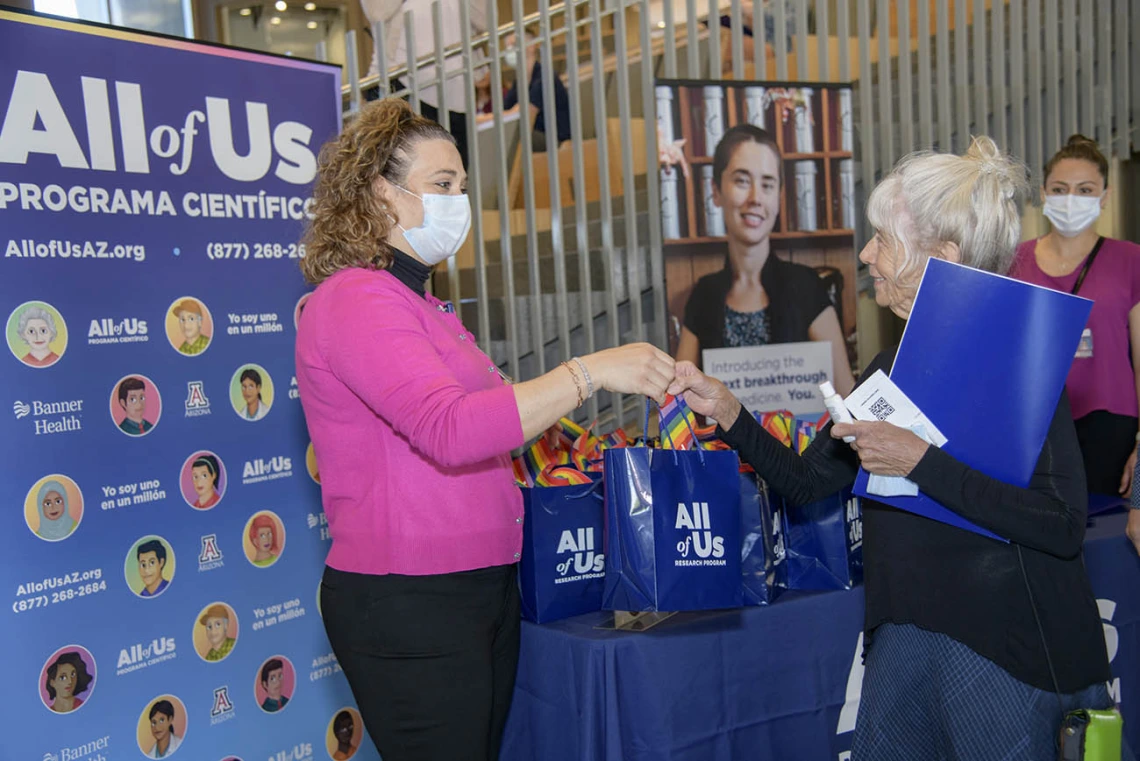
(823, 542)
(762, 568)
(672, 530)
(562, 570)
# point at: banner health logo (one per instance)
(197, 404)
(257, 471)
(140, 656)
(584, 563)
(111, 331)
(223, 709)
(210, 556)
(300, 752)
(88, 751)
(51, 417)
(706, 548)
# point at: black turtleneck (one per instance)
(408, 271)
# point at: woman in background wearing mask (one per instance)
(414, 427)
(1073, 258)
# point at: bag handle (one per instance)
(683, 407)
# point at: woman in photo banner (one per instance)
(205, 473)
(1104, 382)
(55, 518)
(956, 665)
(415, 427)
(758, 298)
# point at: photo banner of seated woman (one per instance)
(758, 216)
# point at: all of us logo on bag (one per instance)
(705, 547)
(584, 563)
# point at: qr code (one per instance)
(881, 409)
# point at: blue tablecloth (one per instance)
(778, 683)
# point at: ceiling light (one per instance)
(312, 24)
(280, 5)
(275, 20)
(660, 24)
(310, 6)
(246, 11)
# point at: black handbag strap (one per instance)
(1088, 264)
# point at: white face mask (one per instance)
(1072, 214)
(511, 58)
(447, 220)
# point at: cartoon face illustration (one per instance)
(54, 504)
(250, 387)
(204, 475)
(133, 402)
(273, 682)
(150, 569)
(38, 333)
(65, 679)
(56, 521)
(190, 320)
(216, 630)
(35, 329)
(264, 541)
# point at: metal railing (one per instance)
(927, 74)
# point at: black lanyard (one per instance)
(1088, 264)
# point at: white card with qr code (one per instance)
(878, 398)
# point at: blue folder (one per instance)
(986, 358)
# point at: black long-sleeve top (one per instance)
(962, 584)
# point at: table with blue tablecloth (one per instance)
(779, 682)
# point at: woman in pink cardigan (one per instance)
(413, 427)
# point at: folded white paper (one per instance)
(879, 399)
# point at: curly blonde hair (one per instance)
(349, 222)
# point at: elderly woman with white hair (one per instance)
(36, 327)
(955, 666)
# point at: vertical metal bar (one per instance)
(925, 80)
(945, 110)
(581, 207)
(379, 43)
(1052, 134)
(1104, 113)
(413, 73)
(781, 41)
(557, 246)
(866, 108)
(440, 78)
(801, 40)
(670, 39)
(981, 64)
(692, 41)
(1124, 72)
(823, 39)
(320, 50)
(906, 93)
(736, 22)
(633, 259)
(1133, 59)
(613, 319)
(844, 30)
(962, 74)
(1087, 83)
(353, 72)
(474, 189)
(656, 256)
(716, 71)
(886, 110)
(1000, 54)
(1038, 123)
(759, 44)
(1069, 108)
(506, 260)
(1017, 145)
(526, 139)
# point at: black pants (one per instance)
(1107, 441)
(431, 660)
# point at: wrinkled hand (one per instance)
(1133, 529)
(1126, 477)
(707, 396)
(632, 369)
(883, 449)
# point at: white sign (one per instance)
(774, 377)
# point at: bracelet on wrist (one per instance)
(585, 374)
(577, 383)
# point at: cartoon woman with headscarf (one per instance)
(52, 505)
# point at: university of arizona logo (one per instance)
(210, 556)
(223, 709)
(196, 402)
